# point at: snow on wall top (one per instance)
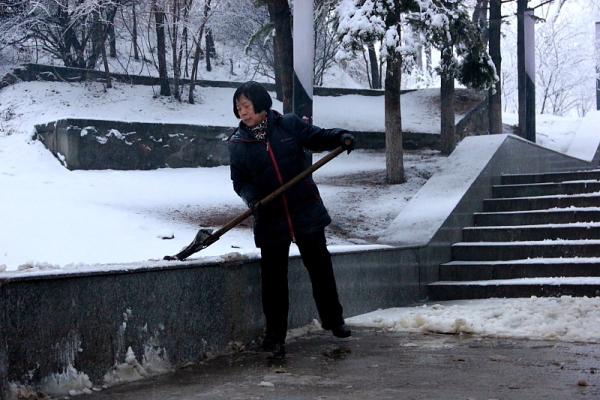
(427, 211)
(586, 141)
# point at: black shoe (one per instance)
(276, 348)
(341, 331)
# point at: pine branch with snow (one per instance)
(447, 26)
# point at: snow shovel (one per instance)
(206, 237)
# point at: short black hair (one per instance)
(256, 93)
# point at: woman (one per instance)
(266, 151)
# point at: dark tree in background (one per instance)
(198, 51)
(161, 48)
(463, 57)
(362, 23)
(283, 50)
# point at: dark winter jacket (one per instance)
(260, 167)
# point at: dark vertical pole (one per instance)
(597, 46)
(529, 30)
(521, 5)
(495, 96)
(304, 54)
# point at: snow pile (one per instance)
(74, 383)
(155, 358)
(314, 326)
(71, 382)
(128, 371)
(569, 319)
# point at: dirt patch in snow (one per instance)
(352, 199)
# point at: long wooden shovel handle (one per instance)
(201, 241)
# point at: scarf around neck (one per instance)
(259, 131)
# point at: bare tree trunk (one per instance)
(134, 35)
(198, 53)
(210, 48)
(184, 50)
(96, 33)
(174, 38)
(195, 63)
(480, 16)
(279, 10)
(159, 17)
(103, 51)
(394, 156)
(448, 126)
(447, 123)
(110, 31)
(180, 19)
(495, 94)
(75, 57)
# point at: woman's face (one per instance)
(246, 112)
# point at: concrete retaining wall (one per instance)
(99, 144)
(95, 144)
(475, 122)
(169, 314)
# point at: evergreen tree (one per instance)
(447, 26)
(362, 22)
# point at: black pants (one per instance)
(274, 274)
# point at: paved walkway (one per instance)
(386, 365)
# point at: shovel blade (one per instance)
(201, 241)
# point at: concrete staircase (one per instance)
(538, 236)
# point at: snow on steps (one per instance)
(519, 233)
(541, 202)
(569, 215)
(538, 236)
(523, 287)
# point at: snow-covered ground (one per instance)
(53, 218)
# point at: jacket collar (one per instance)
(243, 133)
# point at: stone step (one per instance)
(538, 217)
(541, 203)
(486, 251)
(545, 189)
(512, 288)
(513, 179)
(536, 228)
(522, 233)
(527, 268)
